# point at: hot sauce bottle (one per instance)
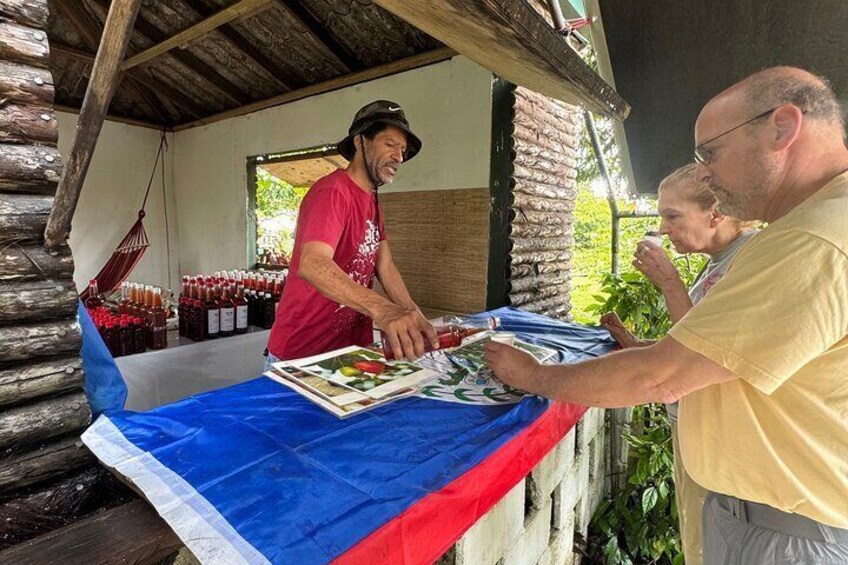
(158, 337)
(450, 333)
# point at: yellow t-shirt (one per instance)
(778, 320)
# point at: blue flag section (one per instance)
(255, 473)
(104, 386)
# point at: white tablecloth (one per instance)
(159, 377)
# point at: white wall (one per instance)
(449, 108)
(111, 198)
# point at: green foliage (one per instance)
(592, 245)
(639, 525)
(277, 203)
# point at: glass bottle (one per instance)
(228, 312)
(93, 302)
(156, 316)
(213, 313)
(241, 311)
(139, 343)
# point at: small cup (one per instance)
(654, 238)
(507, 338)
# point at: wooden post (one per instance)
(101, 88)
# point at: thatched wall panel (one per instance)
(525, 202)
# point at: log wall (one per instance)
(42, 405)
(544, 188)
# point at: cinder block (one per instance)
(487, 540)
(560, 546)
(550, 471)
(533, 541)
(597, 480)
(591, 423)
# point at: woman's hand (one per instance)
(651, 260)
(613, 324)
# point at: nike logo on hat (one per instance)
(393, 109)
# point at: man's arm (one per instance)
(663, 372)
(401, 323)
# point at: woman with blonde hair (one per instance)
(691, 221)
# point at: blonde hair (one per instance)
(685, 182)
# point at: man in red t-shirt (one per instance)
(340, 244)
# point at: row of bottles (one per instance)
(226, 303)
(138, 324)
(122, 335)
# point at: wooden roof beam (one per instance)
(245, 46)
(101, 88)
(91, 33)
(314, 28)
(515, 42)
(242, 8)
(414, 62)
(139, 76)
(209, 74)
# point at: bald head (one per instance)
(769, 141)
(777, 86)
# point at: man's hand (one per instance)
(513, 366)
(613, 324)
(653, 262)
(404, 327)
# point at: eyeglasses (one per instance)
(703, 155)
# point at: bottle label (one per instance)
(227, 320)
(241, 317)
(214, 321)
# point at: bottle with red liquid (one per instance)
(124, 304)
(213, 313)
(125, 341)
(267, 311)
(181, 305)
(241, 310)
(93, 301)
(451, 333)
(197, 318)
(157, 336)
(228, 312)
(138, 336)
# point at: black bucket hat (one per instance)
(379, 111)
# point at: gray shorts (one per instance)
(737, 532)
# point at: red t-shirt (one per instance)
(339, 213)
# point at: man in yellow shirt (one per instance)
(760, 366)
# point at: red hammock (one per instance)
(130, 249)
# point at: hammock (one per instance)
(130, 250)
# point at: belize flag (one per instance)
(256, 473)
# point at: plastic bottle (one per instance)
(451, 332)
